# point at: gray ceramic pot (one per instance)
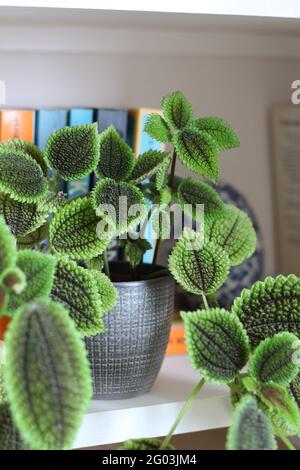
(127, 357)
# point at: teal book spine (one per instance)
(80, 187)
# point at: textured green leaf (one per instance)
(74, 231)
(21, 177)
(8, 252)
(157, 128)
(198, 152)
(106, 290)
(193, 192)
(161, 177)
(14, 280)
(113, 201)
(116, 157)
(272, 360)
(233, 232)
(29, 148)
(10, 438)
(96, 263)
(39, 271)
(73, 151)
(250, 429)
(77, 289)
(295, 389)
(198, 269)
(219, 130)
(47, 375)
(135, 250)
(33, 238)
(148, 164)
(177, 110)
(144, 444)
(270, 307)
(217, 343)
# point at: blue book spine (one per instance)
(80, 187)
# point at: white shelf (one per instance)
(152, 415)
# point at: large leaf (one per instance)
(29, 148)
(148, 164)
(270, 307)
(8, 252)
(144, 444)
(116, 157)
(177, 110)
(157, 128)
(74, 230)
(47, 375)
(192, 192)
(10, 438)
(73, 151)
(251, 429)
(217, 343)
(219, 130)
(198, 151)
(21, 177)
(76, 288)
(274, 359)
(39, 271)
(233, 232)
(121, 204)
(198, 269)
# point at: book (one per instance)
(17, 123)
(80, 187)
(176, 345)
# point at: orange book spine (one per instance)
(17, 124)
(176, 344)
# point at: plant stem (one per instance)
(157, 244)
(205, 302)
(106, 265)
(182, 412)
(286, 441)
(172, 174)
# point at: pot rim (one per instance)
(164, 277)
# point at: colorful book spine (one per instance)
(176, 345)
(16, 123)
(79, 187)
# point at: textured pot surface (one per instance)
(127, 357)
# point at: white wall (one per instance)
(240, 90)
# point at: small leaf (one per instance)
(8, 252)
(157, 128)
(177, 110)
(47, 375)
(198, 269)
(10, 438)
(192, 192)
(233, 232)
(21, 177)
(29, 148)
(73, 151)
(116, 203)
(270, 307)
(76, 288)
(198, 152)
(217, 343)
(272, 360)
(116, 157)
(135, 250)
(96, 263)
(147, 165)
(144, 444)
(106, 290)
(219, 130)
(39, 271)
(74, 230)
(161, 177)
(250, 429)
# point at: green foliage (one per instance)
(33, 238)
(157, 128)
(96, 263)
(270, 307)
(10, 438)
(74, 231)
(198, 269)
(73, 151)
(21, 177)
(217, 343)
(106, 290)
(144, 444)
(116, 157)
(177, 110)
(219, 130)
(77, 289)
(113, 200)
(250, 429)
(233, 232)
(39, 271)
(295, 389)
(29, 148)
(148, 164)
(198, 151)
(272, 360)
(135, 250)
(14, 280)
(161, 177)
(47, 375)
(8, 252)
(194, 192)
